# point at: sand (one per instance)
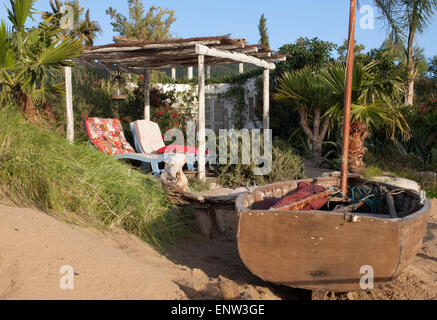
(116, 265)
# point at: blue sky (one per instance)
(286, 19)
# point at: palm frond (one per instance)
(60, 53)
(20, 11)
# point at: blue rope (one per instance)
(370, 197)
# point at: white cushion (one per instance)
(149, 136)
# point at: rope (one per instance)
(370, 196)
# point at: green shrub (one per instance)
(287, 165)
(79, 184)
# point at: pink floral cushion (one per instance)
(107, 136)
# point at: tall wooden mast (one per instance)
(348, 97)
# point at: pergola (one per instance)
(139, 57)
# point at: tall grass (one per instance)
(79, 184)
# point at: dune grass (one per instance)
(79, 184)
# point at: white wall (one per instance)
(216, 89)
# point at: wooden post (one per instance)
(348, 97)
(147, 95)
(208, 72)
(241, 68)
(190, 73)
(173, 73)
(69, 104)
(266, 107)
(201, 120)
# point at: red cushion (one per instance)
(178, 149)
(304, 190)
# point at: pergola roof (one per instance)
(133, 56)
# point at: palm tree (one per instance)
(29, 56)
(305, 92)
(375, 98)
(82, 28)
(406, 19)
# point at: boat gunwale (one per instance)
(426, 206)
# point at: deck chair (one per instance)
(107, 136)
(148, 139)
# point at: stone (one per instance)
(228, 288)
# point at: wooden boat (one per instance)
(326, 250)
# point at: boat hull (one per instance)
(321, 250)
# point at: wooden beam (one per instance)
(201, 119)
(147, 95)
(69, 104)
(241, 68)
(150, 46)
(266, 99)
(239, 57)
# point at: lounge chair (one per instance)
(107, 136)
(148, 139)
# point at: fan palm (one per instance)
(29, 56)
(375, 98)
(305, 92)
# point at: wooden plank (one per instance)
(413, 230)
(151, 46)
(69, 104)
(266, 99)
(147, 95)
(201, 121)
(190, 73)
(239, 57)
(316, 250)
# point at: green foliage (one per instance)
(342, 51)
(20, 11)
(286, 166)
(236, 95)
(303, 90)
(151, 26)
(198, 186)
(30, 56)
(396, 165)
(80, 184)
(264, 37)
(305, 52)
(375, 97)
(372, 172)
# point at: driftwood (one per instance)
(350, 208)
(173, 175)
(208, 208)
